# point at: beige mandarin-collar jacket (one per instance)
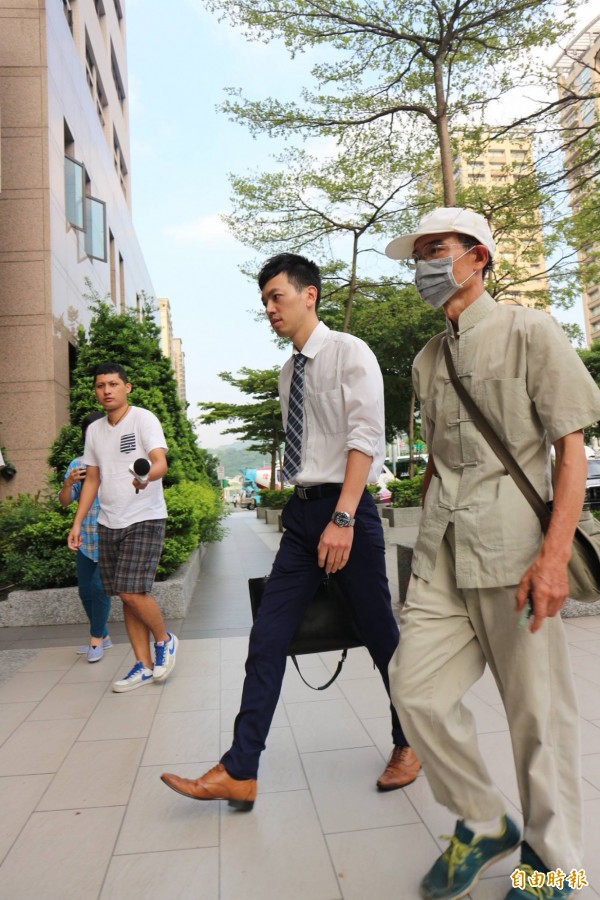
(532, 387)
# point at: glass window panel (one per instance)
(74, 190)
(95, 228)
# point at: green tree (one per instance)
(340, 205)
(425, 74)
(420, 67)
(130, 338)
(260, 421)
(396, 324)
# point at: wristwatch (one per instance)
(343, 519)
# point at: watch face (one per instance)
(343, 519)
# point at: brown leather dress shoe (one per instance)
(216, 784)
(402, 769)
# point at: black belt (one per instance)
(317, 491)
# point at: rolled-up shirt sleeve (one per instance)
(362, 390)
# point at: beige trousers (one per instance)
(447, 637)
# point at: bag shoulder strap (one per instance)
(322, 687)
(502, 452)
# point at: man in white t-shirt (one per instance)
(131, 524)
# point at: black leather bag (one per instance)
(327, 624)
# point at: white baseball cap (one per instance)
(446, 218)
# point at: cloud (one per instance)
(201, 230)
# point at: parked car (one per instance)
(592, 485)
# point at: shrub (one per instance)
(275, 499)
(33, 543)
(406, 492)
(33, 535)
(195, 513)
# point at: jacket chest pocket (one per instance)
(507, 405)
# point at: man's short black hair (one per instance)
(92, 416)
(302, 272)
(111, 368)
(468, 242)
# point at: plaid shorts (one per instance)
(128, 557)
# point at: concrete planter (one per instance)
(402, 517)
(261, 512)
(62, 606)
(273, 516)
(570, 610)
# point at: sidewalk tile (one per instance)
(180, 874)
(95, 773)
(326, 725)
(183, 737)
(38, 747)
(68, 701)
(159, 819)
(276, 851)
(11, 716)
(383, 863)
(19, 796)
(61, 855)
(118, 716)
(337, 777)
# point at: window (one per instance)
(100, 11)
(74, 192)
(122, 304)
(113, 267)
(119, 162)
(116, 74)
(94, 81)
(588, 112)
(95, 228)
(68, 14)
(119, 10)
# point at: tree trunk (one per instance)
(443, 134)
(352, 286)
(273, 463)
(411, 436)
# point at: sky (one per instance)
(180, 60)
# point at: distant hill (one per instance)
(235, 457)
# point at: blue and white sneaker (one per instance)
(164, 660)
(135, 678)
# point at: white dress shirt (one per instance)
(343, 406)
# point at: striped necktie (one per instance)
(295, 421)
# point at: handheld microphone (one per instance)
(139, 469)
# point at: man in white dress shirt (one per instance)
(331, 524)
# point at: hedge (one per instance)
(275, 499)
(33, 535)
(406, 491)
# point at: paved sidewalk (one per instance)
(86, 816)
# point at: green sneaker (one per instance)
(459, 867)
(533, 881)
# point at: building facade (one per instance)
(579, 73)
(172, 347)
(65, 208)
(501, 162)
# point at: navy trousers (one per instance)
(294, 579)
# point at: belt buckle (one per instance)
(302, 492)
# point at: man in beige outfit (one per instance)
(481, 557)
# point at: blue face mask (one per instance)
(435, 281)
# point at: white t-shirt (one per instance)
(113, 448)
